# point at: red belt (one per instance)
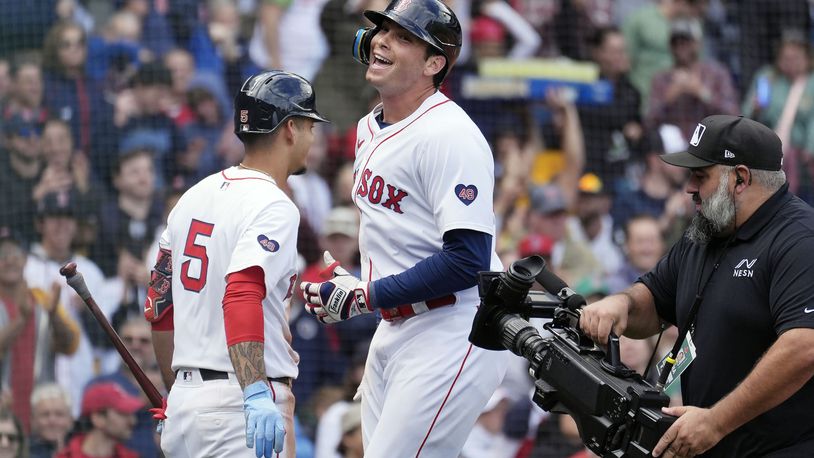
(402, 312)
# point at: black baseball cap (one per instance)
(59, 203)
(730, 140)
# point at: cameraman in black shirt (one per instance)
(739, 285)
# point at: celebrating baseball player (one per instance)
(218, 296)
(424, 179)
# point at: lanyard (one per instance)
(690, 322)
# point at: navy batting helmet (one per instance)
(268, 99)
(430, 20)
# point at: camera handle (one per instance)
(555, 285)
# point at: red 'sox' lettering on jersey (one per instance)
(374, 189)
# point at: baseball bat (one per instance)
(77, 282)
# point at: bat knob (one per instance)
(68, 270)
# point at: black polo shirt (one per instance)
(764, 285)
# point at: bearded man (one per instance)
(738, 286)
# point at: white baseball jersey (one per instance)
(230, 221)
(414, 180)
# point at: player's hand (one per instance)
(695, 432)
(600, 318)
(265, 428)
(160, 414)
(338, 299)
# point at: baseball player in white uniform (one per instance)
(424, 178)
(219, 295)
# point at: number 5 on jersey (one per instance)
(192, 249)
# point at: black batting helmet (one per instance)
(268, 99)
(430, 20)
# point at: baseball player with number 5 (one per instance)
(218, 297)
(424, 178)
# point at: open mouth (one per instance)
(381, 61)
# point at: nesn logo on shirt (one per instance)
(268, 244)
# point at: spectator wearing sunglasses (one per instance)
(137, 338)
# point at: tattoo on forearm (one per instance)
(247, 359)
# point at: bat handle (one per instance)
(75, 280)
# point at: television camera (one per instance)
(617, 412)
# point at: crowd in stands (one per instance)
(109, 111)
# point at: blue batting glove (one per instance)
(265, 428)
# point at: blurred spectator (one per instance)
(25, 98)
(566, 134)
(5, 80)
(350, 445)
(574, 28)
(647, 34)
(130, 221)
(762, 24)
(525, 39)
(116, 52)
(488, 37)
(107, 421)
(210, 110)
(329, 429)
(693, 88)
(593, 225)
(612, 131)
(142, 116)
(342, 190)
(644, 246)
(65, 168)
(74, 10)
(659, 191)
(340, 82)
(571, 258)
(217, 46)
(782, 97)
(340, 237)
(20, 167)
(51, 420)
(57, 224)
(281, 29)
(311, 191)
(493, 115)
(156, 33)
(544, 16)
(181, 65)
(136, 336)
(33, 327)
(75, 98)
(514, 156)
(13, 442)
(183, 16)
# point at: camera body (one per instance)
(618, 413)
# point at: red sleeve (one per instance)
(165, 323)
(243, 306)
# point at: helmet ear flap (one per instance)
(361, 44)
